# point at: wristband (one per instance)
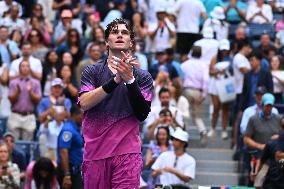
(109, 86)
(130, 81)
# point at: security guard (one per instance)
(70, 151)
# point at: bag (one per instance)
(226, 88)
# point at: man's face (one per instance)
(178, 144)
(24, 68)
(166, 118)
(26, 50)
(240, 34)
(14, 12)
(265, 40)
(267, 109)
(119, 38)
(95, 52)
(165, 99)
(56, 91)
(161, 57)
(255, 63)
(247, 50)
(3, 34)
(10, 142)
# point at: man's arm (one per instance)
(176, 172)
(251, 143)
(65, 167)
(14, 97)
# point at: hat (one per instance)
(267, 98)
(224, 44)
(180, 135)
(161, 8)
(260, 90)
(208, 33)
(161, 51)
(171, 11)
(57, 81)
(218, 13)
(66, 14)
(8, 134)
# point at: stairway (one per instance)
(214, 164)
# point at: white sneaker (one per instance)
(224, 135)
(211, 133)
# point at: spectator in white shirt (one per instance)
(188, 20)
(161, 32)
(259, 13)
(209, 45)
(12, 21)
(217, 23)
(35, 64)
(195, 83)
(175, 167)
(5, 5)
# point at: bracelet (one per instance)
(109, 86)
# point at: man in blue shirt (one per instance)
(70, 151)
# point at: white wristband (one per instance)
(130, 81)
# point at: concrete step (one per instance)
(216, 166)
(211, 154)
(215, 179)
(194, 142)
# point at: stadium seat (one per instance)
(256, 30)
(30, 148)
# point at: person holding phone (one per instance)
(115, 96)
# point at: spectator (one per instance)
(260, 129)
(37, 11)
(10, 173)
(70, 152)
(277, 5)
(4, 101)
(278, 82)
(160, 144)
(36, 24)
(195, 83)
(178, 99)
(257, 76)
(162, 64)
(73, 45)
(41, 174)
(164, 97)
(211, 4)
(209, 46)
(218, 23)
(279, 25)
(5, 6)
(66, 22)
(35, 64)
(265, 44)
(70, 89)
(13, 21)
(16, 156)
(47, 106)
(8, 48)
(140, 28)
(188, 24)
(175, 167)
(171, 60)
(50, 71)
(239, 37)
(95, 54)
(216, 73)
(259, 13)
(97, 34)
(273, 154)
(165, 119)
(24, 95)
(48, 133)
(17, 37)
(38, 48)
(162, 81)
(254, 109)
(61, 5)
(93, 21)
(235, 11)
(161, 32)
(118, 9)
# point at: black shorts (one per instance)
(185, 41)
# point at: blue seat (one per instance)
(30, 148)
(256, 30)
(3, 126)
(277, 17)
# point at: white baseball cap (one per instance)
(57, 81)
(218, 13)
(181, 135)
(224, 44)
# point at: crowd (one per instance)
(192, 53)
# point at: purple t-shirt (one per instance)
(24, 103)
(110, 128)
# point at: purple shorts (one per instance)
(118, 172)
